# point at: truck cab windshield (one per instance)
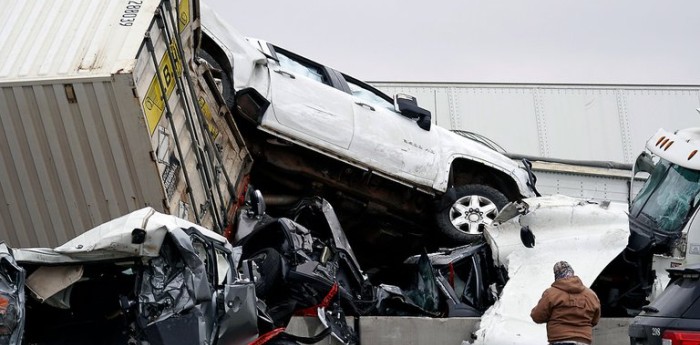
(667, 198)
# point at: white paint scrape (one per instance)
(586, 235)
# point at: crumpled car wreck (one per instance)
(150, 278)
(144, 278)
(454, 282)
(301, 258)
(304, 265)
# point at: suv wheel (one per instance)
(470, 209)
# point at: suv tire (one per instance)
(470, 208)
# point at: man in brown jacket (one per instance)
(569, 308)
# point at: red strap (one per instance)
(312, 311)
(230, 230)
(267, 336)
(451, 276)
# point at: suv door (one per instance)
(388, 140)
(239, 323)
(306, 105)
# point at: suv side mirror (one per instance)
(644, 163)
(408, 106)
(257, 204)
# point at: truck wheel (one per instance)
(269, 274)
(226, 83)
(468, 210)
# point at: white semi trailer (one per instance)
(105, 109)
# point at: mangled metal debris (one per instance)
(588, 235)
(305, 262)
(144, 278)
(155, 273)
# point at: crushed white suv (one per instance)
(340, 136)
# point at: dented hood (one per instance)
(115, 239)
(587, 235)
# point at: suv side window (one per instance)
(222, 266)
(368, 94)
(215, 259)
(300, 66)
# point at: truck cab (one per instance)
(663, 216)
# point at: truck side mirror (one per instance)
(645, 164)
(408, 106)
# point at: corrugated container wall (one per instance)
(580, 122)
(86, 133)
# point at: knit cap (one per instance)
(562, 269)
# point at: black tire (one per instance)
(479, 206)
(226, 82)
(269, 262)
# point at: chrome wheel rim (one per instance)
(471, 213)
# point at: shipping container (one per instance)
(105, 109)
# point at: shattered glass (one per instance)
(667, 198)
(424, 291)
(297, 68)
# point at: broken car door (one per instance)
(235, 307)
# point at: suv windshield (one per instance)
(667, 197)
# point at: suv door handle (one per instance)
(285, 73)
(365, 105)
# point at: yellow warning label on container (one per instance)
(207, 114)
(153, 103)
(183, 18)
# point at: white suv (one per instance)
(346, 136)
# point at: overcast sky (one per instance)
(542, 41)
